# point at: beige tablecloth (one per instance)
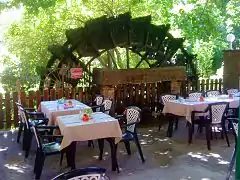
(51, 109)
(185, 107)
(100, 126)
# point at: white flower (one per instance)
(177, 9)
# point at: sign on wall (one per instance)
(76, 73)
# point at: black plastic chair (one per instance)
(217, 116)
(21, 121)
(234, 123)
(27, 123)
(93, 173)
(47, 145)
(131, 118)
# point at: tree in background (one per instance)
(45, 21)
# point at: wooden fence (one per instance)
(141, 95)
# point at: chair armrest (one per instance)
(29, 109)
(47, 127)
(96, 106)
(233, 120)
(130, 124)
(51, 136)
(36, 114)
(119, 117)
(38, 121)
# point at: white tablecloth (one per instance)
(185, 107)
(100, 126)
(51, 109)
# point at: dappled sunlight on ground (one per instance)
(206, 157)
(16, 167)
(166, 158)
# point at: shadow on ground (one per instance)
(166, 159)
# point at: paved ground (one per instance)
(166, 159)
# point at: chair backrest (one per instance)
(99, 100)
(235, 128)
(19, 112)
(37, 137)
(107, 105)
(132, 115)
(233, 91)
(24, 117)
(218, 111)
(168, 97)
(87, 177)
(195, 95)
(92, 173)
(212, 93)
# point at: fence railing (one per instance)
(145, 94)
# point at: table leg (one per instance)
(208, 131)
(70, 154)
(101, 146)
(170, 126)
(113, 147)
(190, 132)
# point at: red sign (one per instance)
(76, 73)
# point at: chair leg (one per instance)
(170, 127)
(231, 165)
(19, 132)
(208, 128)
(101, 146)
(225, 133)
(28, 143)
(90, 143)
(139, 148)
(36, 162)
(176, 123)
(127, 145)
(190, 132)
(215, 133)
(24, 141)
(159, 127)
(222, 136)
(211, 133)
(39, 168)
(61, 158)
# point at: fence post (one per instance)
(30, 99)
(220, 85)
(60, 93)
(1, 112)
(8, 109)
(23, 99)
(207, 84)
(66, 93)
(46, 94)
(38, 98)
(211, 84)
(15, 109)
(52, 94)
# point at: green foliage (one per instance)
(45, 22)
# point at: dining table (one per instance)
(53, 109)
(99, 126)
(184, 107)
